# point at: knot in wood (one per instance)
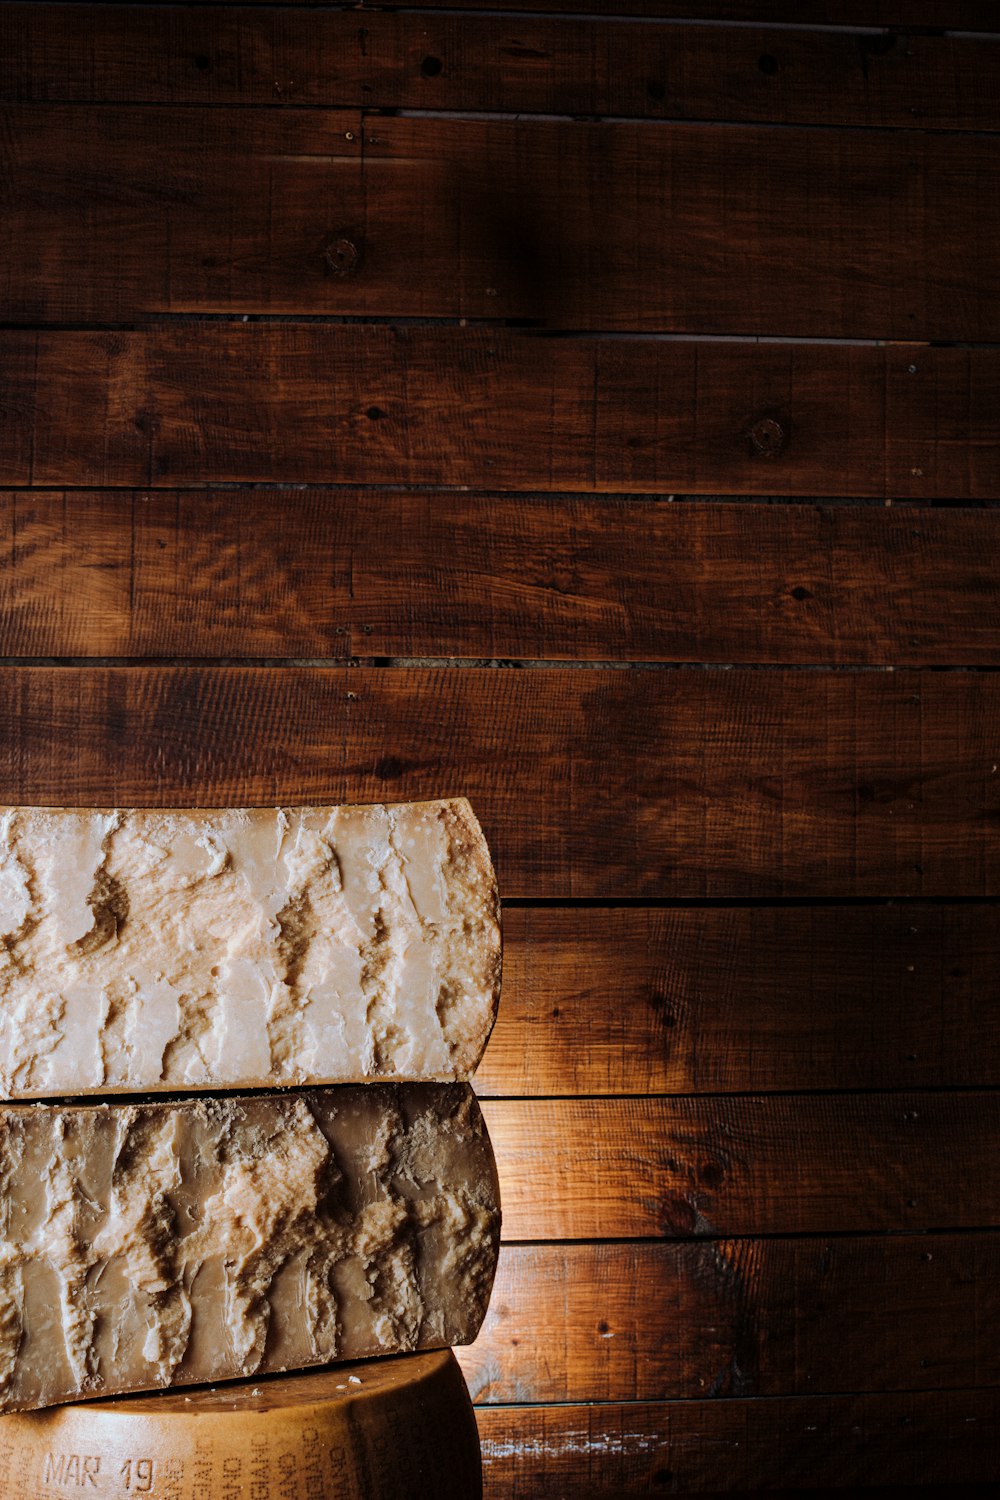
(341, 255)
(768, 436)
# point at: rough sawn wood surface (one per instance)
(609, 436)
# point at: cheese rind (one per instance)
(388, 1429)
(233, 948)
(153, 1245)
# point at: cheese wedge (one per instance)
(191, 950)
(153, 1245)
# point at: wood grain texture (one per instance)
(701, 1001)
(199, 404)
(238, 215)
(590, 783)
(342, 573)
(592, 1169)
(904, 1438)
(684, 228)
(701, 230)
(737, 1318)
(962, 15)
(214, 54)
(186, 191)
(221, 574)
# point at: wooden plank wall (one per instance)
(596, 415)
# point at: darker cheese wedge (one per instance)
(152, 1245)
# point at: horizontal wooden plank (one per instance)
(684, 228)
(575, 1169)
(968, 15)
(239, 214)
(476, 407)
(909, 1438)
(958, 15)
(807, 233)
(647, 1322)
(213, 54)
(591, 783)
(553, 1487)
(336, 574)
(702, 1000)
(224, 574)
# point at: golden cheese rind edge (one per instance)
(146, 950)
(145, 1246)
(371, 1431)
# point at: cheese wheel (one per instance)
(387, 1429)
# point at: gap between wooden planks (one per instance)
(965, 15)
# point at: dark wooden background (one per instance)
(598, 417)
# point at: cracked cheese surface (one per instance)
(145, 1246)
(144, 950)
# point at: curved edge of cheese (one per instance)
(144, 1246)
(375, 1431)
(174, 950)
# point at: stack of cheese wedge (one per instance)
(343, 964)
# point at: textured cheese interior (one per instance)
(233, 948)
(150, 1245)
